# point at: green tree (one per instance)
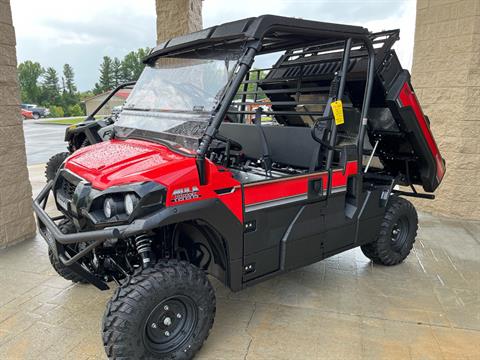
(69, 94)
(69, 76)
(132, 64)
(106, 81)
(129, 66)
(50, 88)
(117, 72)
(97, 89)
(29, 74)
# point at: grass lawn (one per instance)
(70, 120)
(67, 120)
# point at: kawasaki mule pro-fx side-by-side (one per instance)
(219, 167)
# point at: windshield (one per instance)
(174, 98)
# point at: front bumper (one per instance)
(57, 240)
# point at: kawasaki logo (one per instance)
(184, 194)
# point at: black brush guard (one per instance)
(57, 240)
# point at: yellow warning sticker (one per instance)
(337, 108)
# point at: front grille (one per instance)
(68, 189)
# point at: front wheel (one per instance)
(66, 227)
(397, 234)
(54, 164)
(162, 312)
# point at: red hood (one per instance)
(118, 162)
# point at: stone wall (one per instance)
(446, 77)
(16, 217)
(177, 17)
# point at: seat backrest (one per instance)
(288, 145)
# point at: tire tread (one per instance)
(380, 251)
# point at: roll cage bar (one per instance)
(91, 116)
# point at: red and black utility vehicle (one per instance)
(223, 168)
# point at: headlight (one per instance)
(107, 207)
(112, 207)
(130, 202)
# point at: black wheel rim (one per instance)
(399, 234)
(170, 324)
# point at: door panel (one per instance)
(291, 213)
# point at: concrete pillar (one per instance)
(177, 17)
(16, 216)
(446, 77)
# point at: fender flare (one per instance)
(219, 218)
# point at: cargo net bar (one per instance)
(296, 90)
(383, 40)
(283, 100)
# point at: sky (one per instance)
(80, 33)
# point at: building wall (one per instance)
(16, 216)
(177, 17)
(446, 77)
(93, 103)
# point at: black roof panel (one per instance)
(275, 31)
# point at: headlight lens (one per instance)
(113, 206)
(108, 207)
(130, 202)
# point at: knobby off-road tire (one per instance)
(54, 164)
(162, 312)
(397, 234)
(66, 227)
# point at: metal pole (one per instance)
(341, 90)
(244, 97)
(244, 65)
(366, 102)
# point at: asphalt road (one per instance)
(42, 141)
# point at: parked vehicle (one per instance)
(181, 191)
(26, 114)
(37, 111)
(91, 131)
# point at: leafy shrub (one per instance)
(75, 110)
(56, 111)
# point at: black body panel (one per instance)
(317, 230)
(281, 32)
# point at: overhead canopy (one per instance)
(275, 32)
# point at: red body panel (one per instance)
(271, 190)
(408, 98)
(119, 162)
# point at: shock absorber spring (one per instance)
(143, 244)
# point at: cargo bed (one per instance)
(406, 147)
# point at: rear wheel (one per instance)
(36, 116)
(54, 164)
(397, 234)
(162, 312)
